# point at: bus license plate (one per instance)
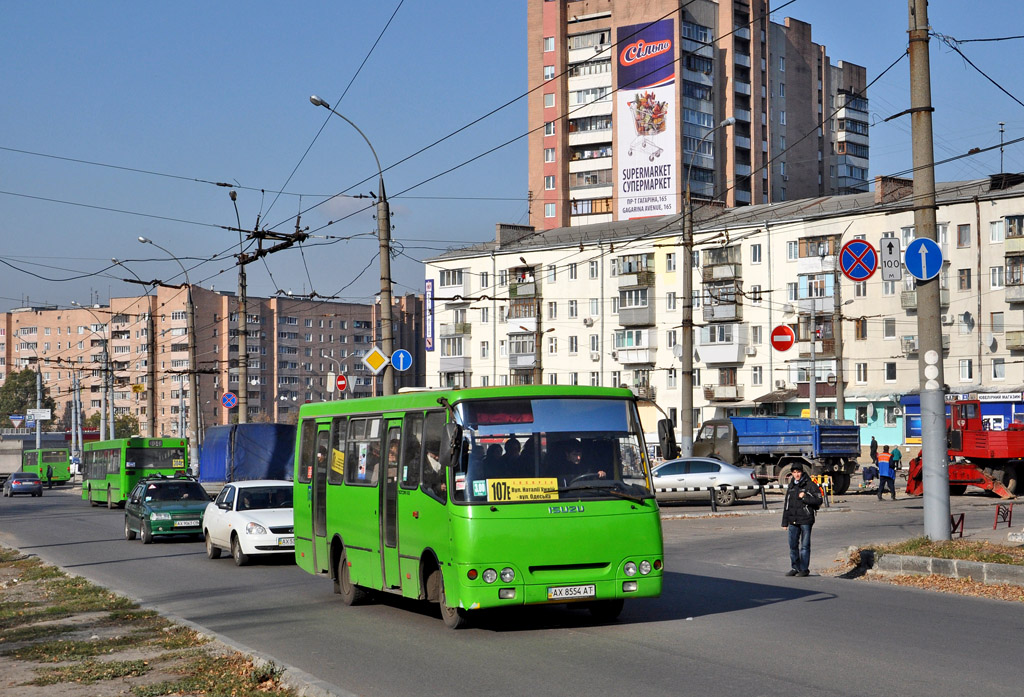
(571, 592)
(286, 542)
(186, 523)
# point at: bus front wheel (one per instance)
(454, 617)
(351, 594)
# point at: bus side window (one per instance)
(336, 455)
(433, 476)
(307, 448)
(363, 457)
(412, 449)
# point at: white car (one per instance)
(250, 518)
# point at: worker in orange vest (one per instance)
(886, 473)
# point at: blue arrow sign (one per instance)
(229, 400)
(858, 260)
(401, 360)
(923, 258)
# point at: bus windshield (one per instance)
(154, 458)
(549, 449)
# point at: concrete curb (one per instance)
(730, 513)
(985, 572)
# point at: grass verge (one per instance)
(956, 549)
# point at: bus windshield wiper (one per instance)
(615, 489)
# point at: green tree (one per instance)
(125, 425)
(19, 393)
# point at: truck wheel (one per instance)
(784, 475)
(840, 483)
(1010, 478)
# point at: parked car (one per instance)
(696, 474)
(251, 518)
(23, 483)
(164, 505)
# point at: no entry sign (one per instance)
(783, 337)
(341, 382)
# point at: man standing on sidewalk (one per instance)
(886, 474)
(803, 498)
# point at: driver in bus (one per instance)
(574, 467)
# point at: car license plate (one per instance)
(571, 592)
(186, 523)
(286, 542)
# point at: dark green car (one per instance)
(165, 506)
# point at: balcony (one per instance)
(453, 328)
(822, 348)
(721, 272)
(908, 299)
(823, 305)
(639, 279)
(723, 393)
(522, 360)
(744, 60)
(645, 392)
(631, 356)
(454, 364)
(741, 32)
(1015, 341)
(729, 348)
(723, 312)
(522, 289)
(522, 325)
(741, 114)
(1011, 245)
(636, 316)
(1015, 294)
(742, 87)
(742, 141)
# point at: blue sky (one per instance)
(189, 93)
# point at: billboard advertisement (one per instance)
(646, 120)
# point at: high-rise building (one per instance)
(632, 96)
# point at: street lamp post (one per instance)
(384, 239)
(107, 375)
(337, 363)
(686, 344)
(193, 395)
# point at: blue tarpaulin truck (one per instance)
(247, 451)
(770, 444)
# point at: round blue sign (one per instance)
(229, 400)
(401, 360)
(923, 258)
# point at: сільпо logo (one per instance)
(641, 50)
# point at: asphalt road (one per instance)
(728, 623)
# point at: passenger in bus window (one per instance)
(433, 473)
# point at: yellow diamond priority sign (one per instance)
(376, 360)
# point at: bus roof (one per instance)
(134, 442)
(427, 399)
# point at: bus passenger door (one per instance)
(320, 467)
(389, 507)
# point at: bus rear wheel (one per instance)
(454, 617)
(351, 594)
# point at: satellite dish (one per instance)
(871, 409)
(990, 341)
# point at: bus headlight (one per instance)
(630, 568)
(490, 576)
(255, 529)
(508, 575)
(159, 516)
(645, 567)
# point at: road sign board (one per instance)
(891, 259)
(858, 260)
(342, 382)
(229, 400)
(17, 419)
(331, 377)
(923, 258)
(401, 359)
(783, 337)
(375, 360)
(38, 414)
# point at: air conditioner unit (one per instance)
(780, 384)
(615, 355)
(947, 319)
(588, 321)
(595, 356)
(750, 350)
(897, 411)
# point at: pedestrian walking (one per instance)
(874, 451)
(897, 458)
(803, 498)
(49, 476)
(886, 474)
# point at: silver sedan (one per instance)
(690, 478)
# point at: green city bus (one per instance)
(58, 459)
(480, 498)
(111, 468)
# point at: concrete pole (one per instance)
(243, 355)
(387, 338)
(813, 389)
(74, 412)
(151, 427)
(837, 336)
(686, 337)
(39, 403)
(193, 384)
(929, 329)
(79, 411)
(110, 387)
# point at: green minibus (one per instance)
(110, 468)
(480, 498)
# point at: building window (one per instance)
(890, 416)
(755, 254)
(549, 72)
(963, 236)
(996, 322)
(860, 290)
(782, 89)
(792, 250)
(757, 335)
(549, 210)
(552, 345)
(757, 375)
(485, 349)
(695, 300)
(964, 279)
(670, 301)
(549, 43)
(451, 277)
(966, 369)
(860, 329)
(549, 128)
(549, 182)
(998, 368)
(552, 273)
(888, 288)
(862, 373)
(451, 347)
(595, 307)
(862, 415)
(593, 269)
(670, 262)
(595, 379)
(549, 154)
(782, 64)
(889, 328)
(594, 343)
(996, 231)
(573, 309)
(503, 348)
(782, 118)
(670, 338)
(755, 295)
(572, 272)
(549, 99)
(574, 345)
(552, 310)
(574, 378)
(552, 378)
(995, 275)
(890, 372)
(792, 291)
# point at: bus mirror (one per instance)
(667, 439)
(450, 444)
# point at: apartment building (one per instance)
(631, 97)
(602, 305)
(291, 347)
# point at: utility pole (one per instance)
(929, 329)
(387, 336)
(813, 385)
(686, 334)
(243, 325)
(837, 336)
(39, 402)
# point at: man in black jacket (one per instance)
(802, 499)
